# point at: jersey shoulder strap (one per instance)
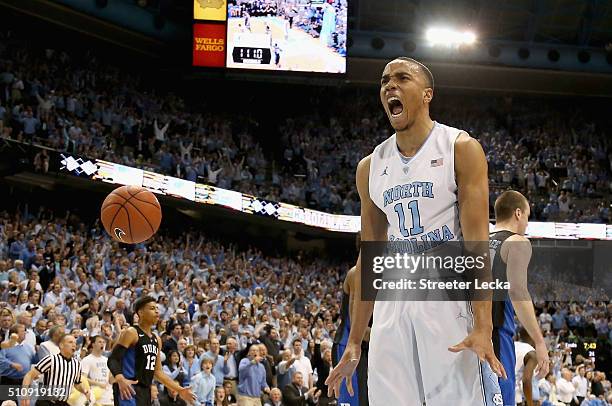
(138, 329)
(501, 235)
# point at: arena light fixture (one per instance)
(449, 37)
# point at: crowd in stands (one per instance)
(221, 308)
(561, 162)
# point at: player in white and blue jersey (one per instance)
(426, 183)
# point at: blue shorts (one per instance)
(504, 344)
(142, 397)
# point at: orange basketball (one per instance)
(131, 214)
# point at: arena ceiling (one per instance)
(581, 23)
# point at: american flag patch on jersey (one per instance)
(437, 162)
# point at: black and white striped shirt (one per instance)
(59, 371)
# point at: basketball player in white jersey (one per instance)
(427, 181)
(526, 364)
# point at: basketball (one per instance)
(131, 214)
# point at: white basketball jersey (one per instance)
(521, 350)
(418, 195)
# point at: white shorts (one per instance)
(409, 362)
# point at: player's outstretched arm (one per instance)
(517, 251)
(185, 393)
(473, 195)
(373, 228)
(127, 339)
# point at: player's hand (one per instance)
(25, 402)
(187, 395)
(543, 360)
(344, 370)
(125, 388)
(480, 342)
(17, 367)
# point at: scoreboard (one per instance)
(251, 48)
(252, 55)
(281, 35)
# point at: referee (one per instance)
(59, 371)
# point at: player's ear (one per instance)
(427, 95)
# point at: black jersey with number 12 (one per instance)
(140, 359)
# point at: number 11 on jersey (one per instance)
(416, 228)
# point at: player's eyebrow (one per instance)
(397, 73)
(403, 72)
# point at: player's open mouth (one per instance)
(395, 106)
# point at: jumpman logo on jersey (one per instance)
(385, 171)
(461, 315)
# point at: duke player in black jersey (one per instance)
(511, 253)
(135, 361)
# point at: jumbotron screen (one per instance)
(277, 35)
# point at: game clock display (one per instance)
(281, 35)
(251, 55)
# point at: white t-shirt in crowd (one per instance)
(581, 384)
(565, 390)
(304, 366)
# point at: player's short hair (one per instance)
(142, 302)
(427, 75)
(507, 203)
